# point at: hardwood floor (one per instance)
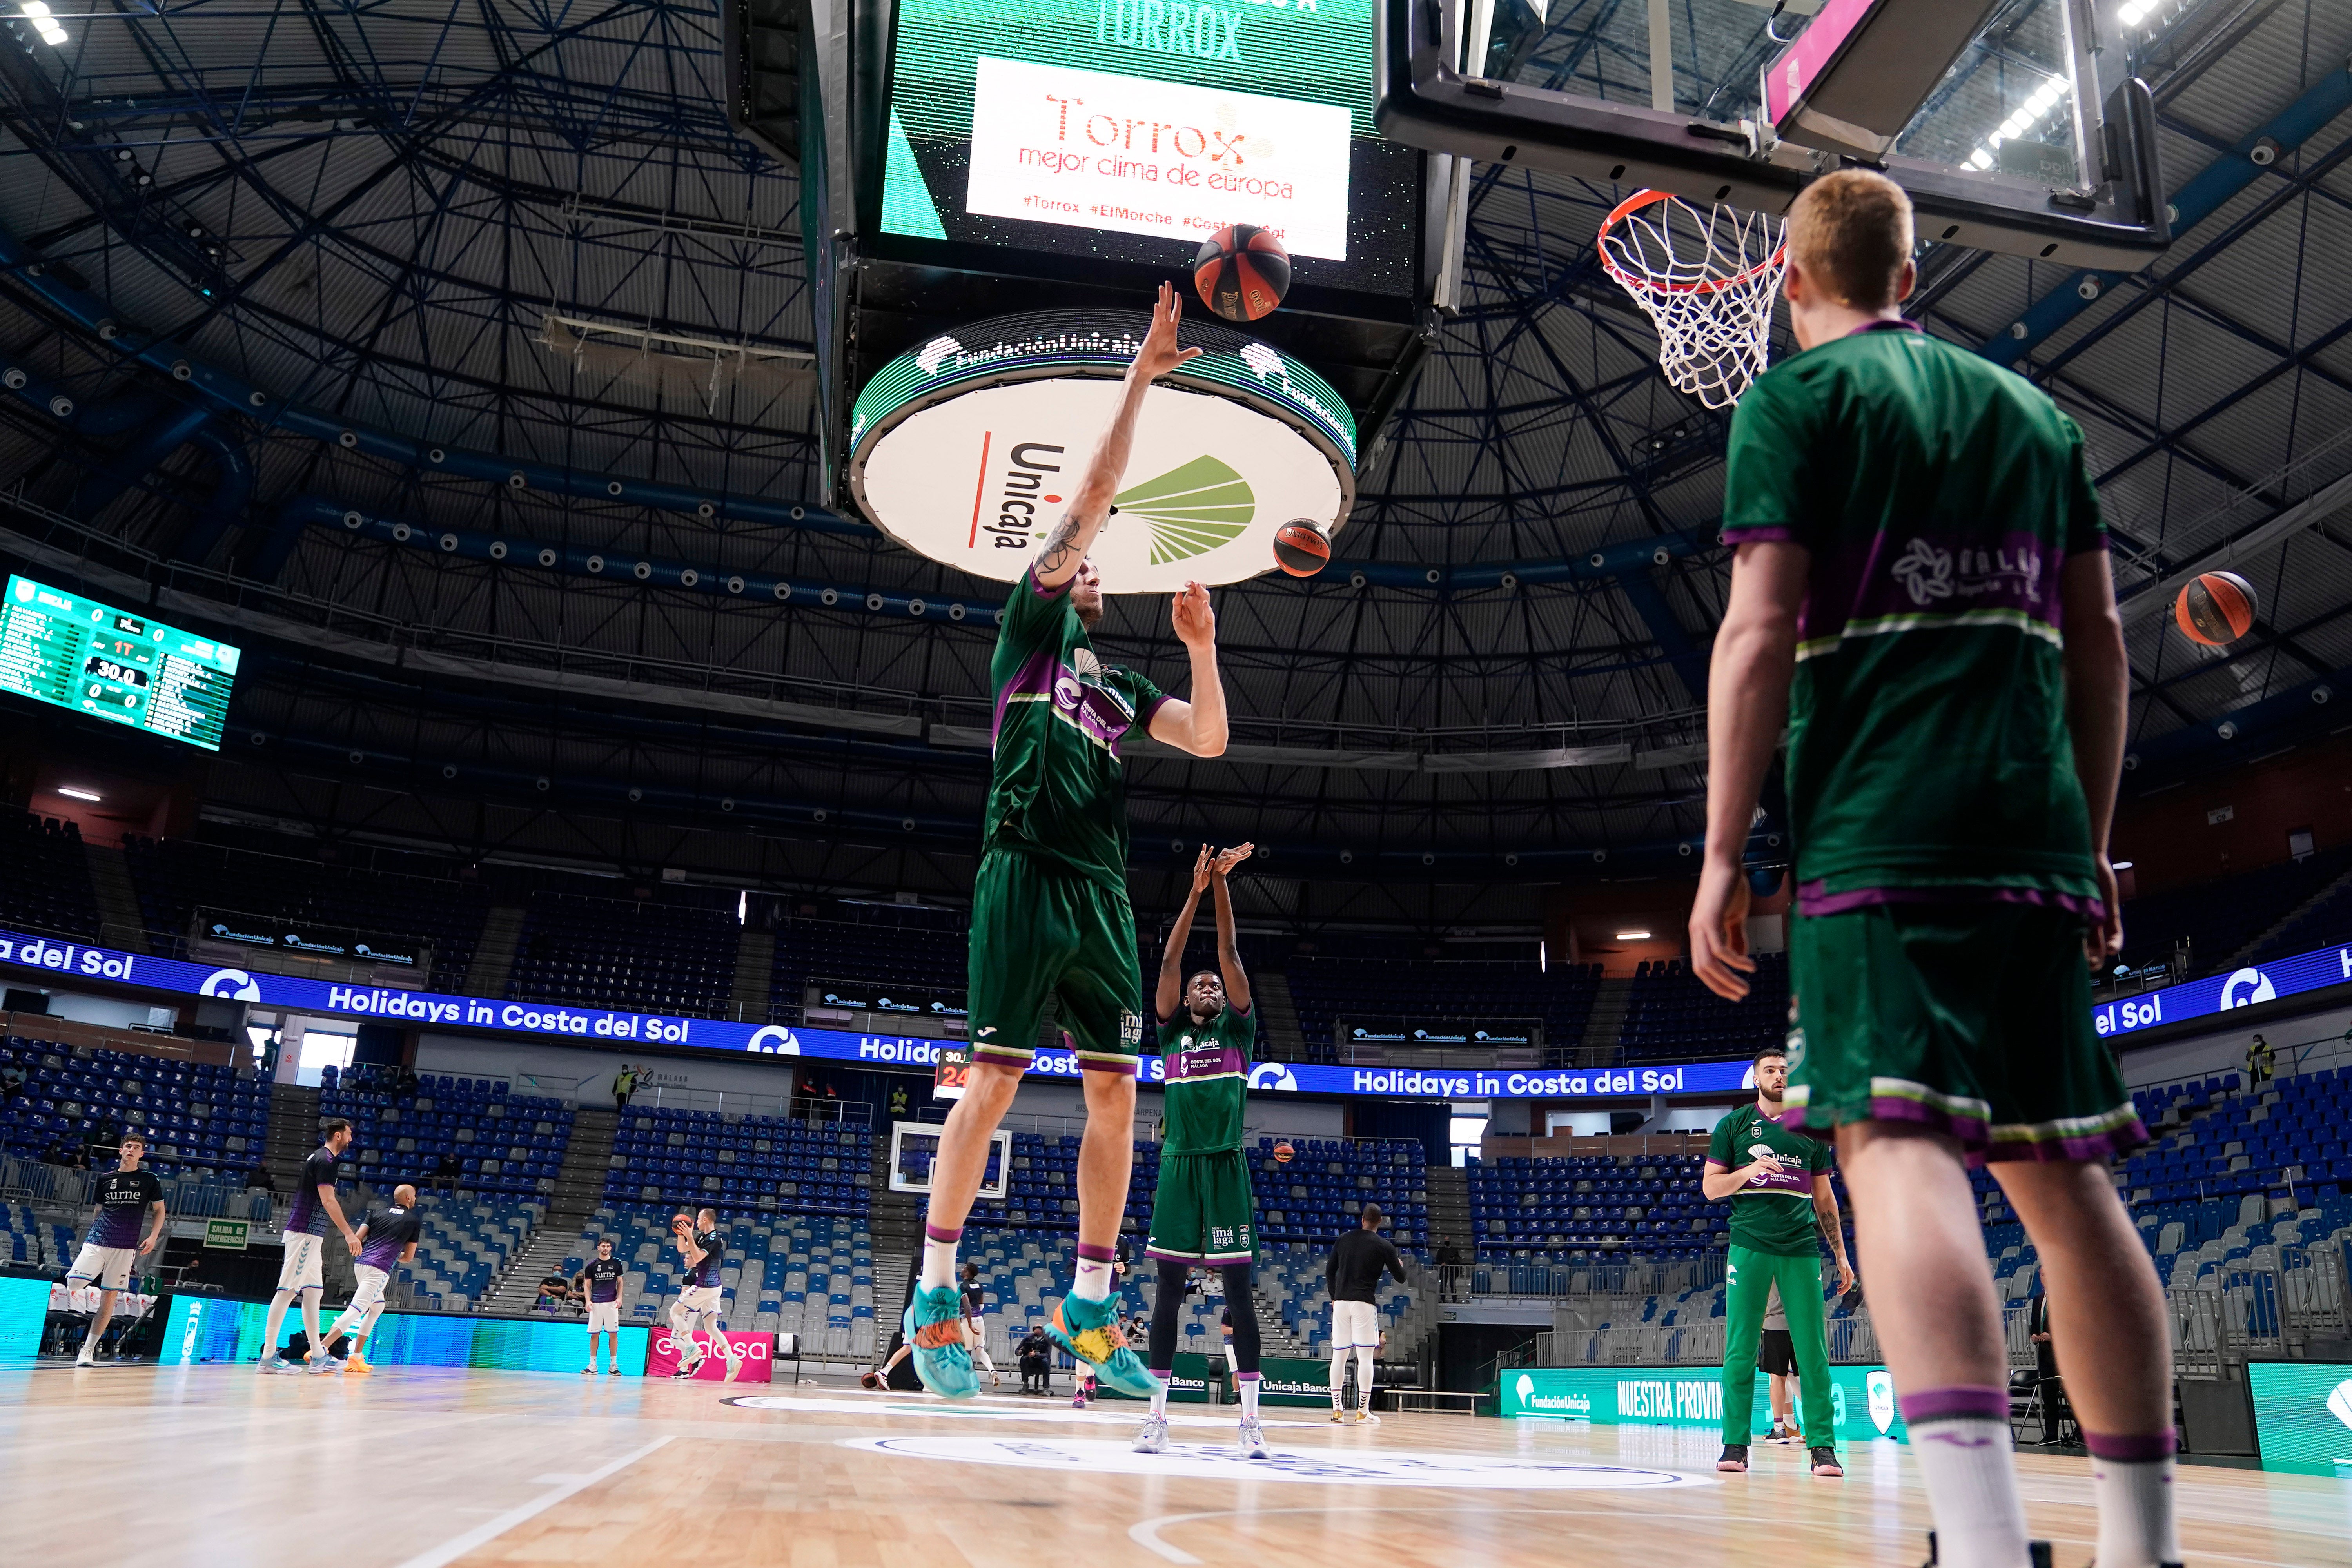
(417, 1468)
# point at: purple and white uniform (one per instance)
(123, 1199)
(389, 1232)
(307, 1222)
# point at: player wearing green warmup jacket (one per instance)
(1778, 1185)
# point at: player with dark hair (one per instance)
(1778, 1186)
(1202, 1212)
(975, 1306)
(1920, 593)
(1049, 909)
(388, 1238)
(602, 1279)
(696, 1306)
(126, 1196)
(315, 1207)
(1353, 1276)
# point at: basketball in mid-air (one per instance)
(1301, 547)
(1242, 272)
(2217, 609)
(1282, 1152)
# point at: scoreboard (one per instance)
(116, 664)
(1130, 130)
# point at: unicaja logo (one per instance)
(233, 984)
(2339, 1403)
(1880, 1386)
(2246, 987)
(775, 1040)
(1525, 1387)
(1273, 1075)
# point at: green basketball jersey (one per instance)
(1057, 788)
(1207, 1067)
(1770, 1213)
(1939, 497)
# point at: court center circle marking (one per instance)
(1100, 1456)
(944, 1410)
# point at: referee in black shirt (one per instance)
(1352, 1275)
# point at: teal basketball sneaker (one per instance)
(1089, 1330)
(934, 1325)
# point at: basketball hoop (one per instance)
(1705, 281)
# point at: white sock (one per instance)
(2137, 1528)
(1159, 1394)
(1338, 1377)
(1249, 1388)
(938, 1258)
(273, 1325)
(1971, 1489)
(1364, 1378)
(1093, 1282)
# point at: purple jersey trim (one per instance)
(1813, 900)
(1206, 1061)
(383, 1254)
(1143, 718)
(1977, 1146)
(1042, 592)
(1760, 532)
(2129, 1448)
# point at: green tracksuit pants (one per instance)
(1748, 1289)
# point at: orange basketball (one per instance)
(2217, 609)
(1282, 1152)
(1301, 547)
(1242, 272)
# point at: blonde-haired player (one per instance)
(387, 1238)
(1919, 555)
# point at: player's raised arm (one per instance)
(1197, 726)
(1090, 506)
(1170, 993)
(1229, 958)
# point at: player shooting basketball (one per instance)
(1049, 913)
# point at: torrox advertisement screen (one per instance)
(1862, 1398)
(1132, 130)
(2303, 1415)
(117, 665)
(55, 960)
(207, 1329)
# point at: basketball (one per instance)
(1242, 272)
(2217, 609)
(1282, 1152)
(1301, 547)
(869, 1379)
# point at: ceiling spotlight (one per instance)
(77, 793)
(1632, 936)
(2123, 865)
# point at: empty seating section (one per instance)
(661, 958)
(203, 1123)
(919, 948)
(1317, 1196)
(465, 1248)
(1670, 1016)
(810, 1275)
(465, 1134)
(2220, 918)
(34, 1239)
(174, 876)
(736, 1163)
(1330, 991)
(1593, 1208)
(44, 878)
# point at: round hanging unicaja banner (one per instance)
(967, 448)
(1312, 1465)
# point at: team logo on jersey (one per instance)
(1131, 1027)
(1085, 664)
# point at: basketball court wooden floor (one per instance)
(420, 1467)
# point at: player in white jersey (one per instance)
(126, 1195)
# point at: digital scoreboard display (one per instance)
(116, 664)
(1132, 130)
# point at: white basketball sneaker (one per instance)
(1152, 1438)
(1253, 1441)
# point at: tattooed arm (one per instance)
(1057, 562)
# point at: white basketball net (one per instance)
(1706, 280)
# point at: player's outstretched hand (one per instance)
(1235, 856)
(1159, 354)
(1202, 867)
(1718, 931)
(1196, 622)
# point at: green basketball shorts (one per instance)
(1202, 1211)
(1038, 930)
(1972, 1018)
